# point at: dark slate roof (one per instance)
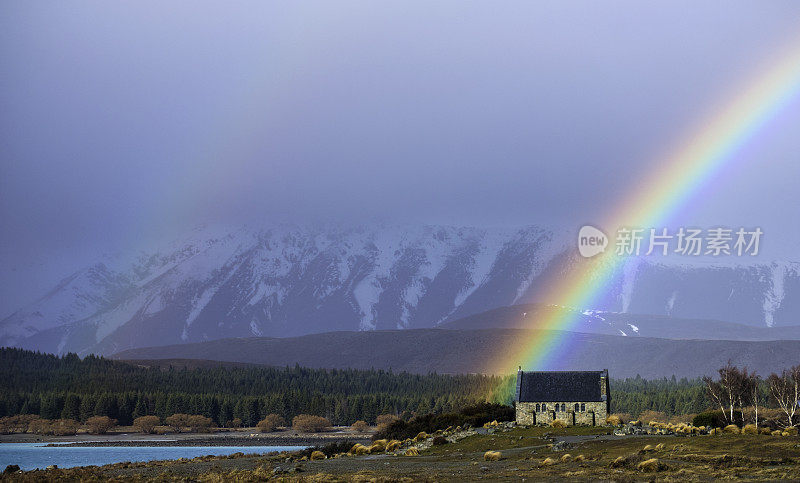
(560, 386)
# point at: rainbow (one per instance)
(653, 203)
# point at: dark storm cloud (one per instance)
(124, 120)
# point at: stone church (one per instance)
(575, 397)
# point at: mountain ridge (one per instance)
(288, 280)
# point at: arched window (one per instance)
(544, 407)
(537, 407)
(577, 407)
(583, 407)
(563, 407)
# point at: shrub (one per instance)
(412, 451)
(270, 423)
(714, 419)
(100, 424)
(548, 462)
(331, 450)
(310, 423)
(64, 427)
(475, 415)
(492, 456)
(199, 424)
(623, 417)
(16, 424)
(360, 426)
(236, 423)
(317, 455)
(177, 421)
(566, 458)
(439, 440)
(557, 423)
(39, 426)
(385, 420)
(422, 435)
(146, 424)
(58, 427)
(614, 420)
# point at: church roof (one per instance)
(559, 386)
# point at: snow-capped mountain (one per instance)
(288, 280)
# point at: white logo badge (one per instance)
(591, 241)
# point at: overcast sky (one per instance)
(125, 120)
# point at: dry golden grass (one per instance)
(317, 455)
(619, 462)
(650, 466)
(412, 451)
(492, 456)
(557, 423)
(548, 462)
(750, 429)
(731, 429)
(566, 458)
(421, 436)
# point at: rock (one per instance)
(560, 446)
(484, 468)
(52, 467)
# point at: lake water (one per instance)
(30, 456)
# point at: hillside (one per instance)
(615, 323)
(471, 351)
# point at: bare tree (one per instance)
(752, 382)
(785, 390)
(729, 392)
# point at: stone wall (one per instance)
(595, 414)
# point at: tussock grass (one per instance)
(750, 429)
(492, 456)
(731, 429)
(557, 423)
(651, 466)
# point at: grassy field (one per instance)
(526, 453)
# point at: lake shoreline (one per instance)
(281, 438)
